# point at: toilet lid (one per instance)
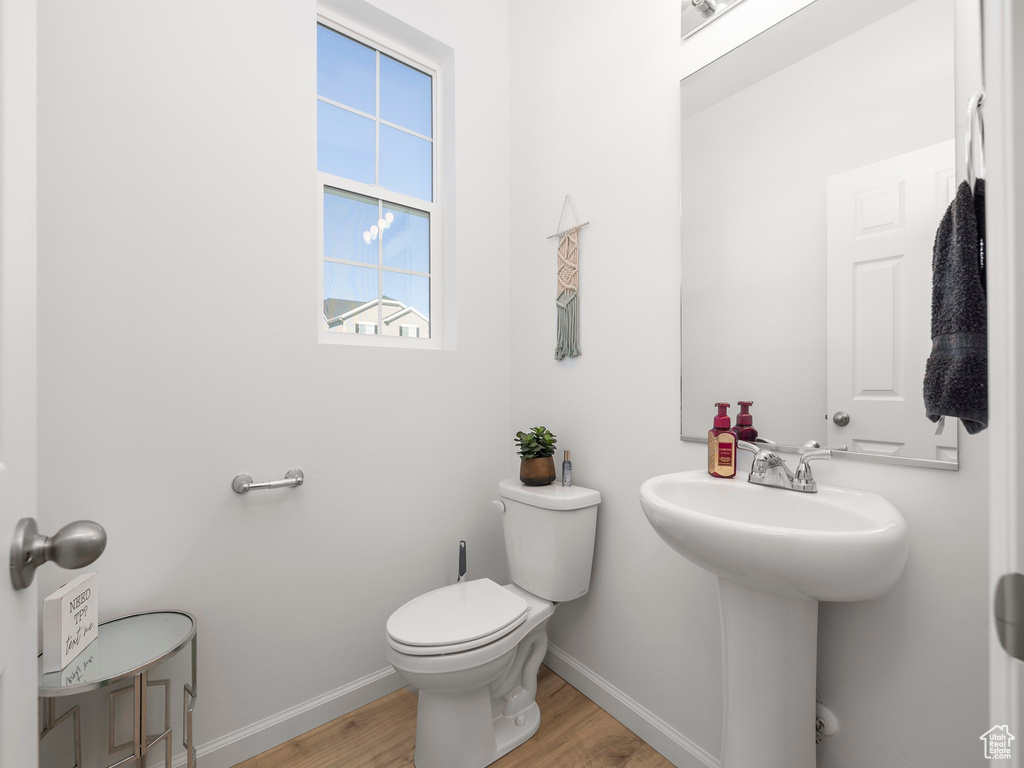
(459, 614)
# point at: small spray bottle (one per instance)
(566, 470)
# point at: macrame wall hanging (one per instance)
(567, 301)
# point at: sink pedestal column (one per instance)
(770, 646)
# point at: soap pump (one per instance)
(744, 429)
(722, 445)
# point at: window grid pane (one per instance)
(348, 222)
(405, 163)
(344, 143)
(345, 70)
(406, 97)
(406, 242)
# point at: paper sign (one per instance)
(70, 622)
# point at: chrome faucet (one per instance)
(770, 469)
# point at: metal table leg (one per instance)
(143, 744)
(112, 748)
(139, 709)
(188, 704)
(51, 721)
(139, 722)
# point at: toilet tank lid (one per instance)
(554, 496)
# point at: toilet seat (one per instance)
(456, 618)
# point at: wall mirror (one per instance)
(812, 191)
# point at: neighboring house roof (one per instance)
(334, 308)
(403, 313)
(337, 311)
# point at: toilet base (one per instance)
(435, 747)
(509, 735)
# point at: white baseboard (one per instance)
(675, 747)
(250, 741)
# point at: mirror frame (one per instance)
(837, 453)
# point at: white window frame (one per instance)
(432, 208)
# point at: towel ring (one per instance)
(974, 115)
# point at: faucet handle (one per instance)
(824, 453)
(762, 455)
(761, 452)
(804, 478)
(765, 462)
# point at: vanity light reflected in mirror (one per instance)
(697, 14)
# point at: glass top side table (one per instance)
(127, 647)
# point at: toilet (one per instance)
(473, 648)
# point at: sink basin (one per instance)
(776, 553)
(834, 545)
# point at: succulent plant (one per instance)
(538, 443)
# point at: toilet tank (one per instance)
(549, 537)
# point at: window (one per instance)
(376, 162)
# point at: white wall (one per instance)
(177, 347)
(595, 114)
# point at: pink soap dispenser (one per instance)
(722, 445)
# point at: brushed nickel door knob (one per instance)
(841, 418)
(76, 545)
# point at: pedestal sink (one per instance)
(776, 553)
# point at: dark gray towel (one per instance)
(956, 375)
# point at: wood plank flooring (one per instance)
(574, 733)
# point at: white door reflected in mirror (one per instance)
(881, 224)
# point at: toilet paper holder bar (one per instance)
(243, 483)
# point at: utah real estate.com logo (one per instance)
(997, 742)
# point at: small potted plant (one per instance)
(536, 448)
